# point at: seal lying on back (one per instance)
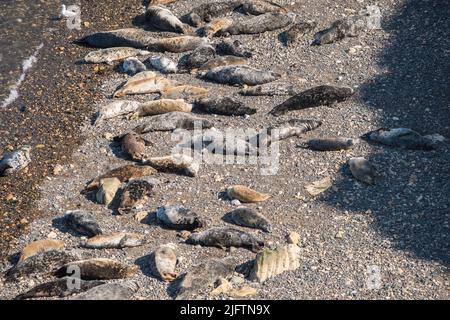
(110, 55)
(239, 75)
(401, 138)
(178, 217)
(325, 95)
(233, 48)
(247, 217)
(59, 288)
(222, 62)
(16, 161)
(206, 12)
(203, 276)
(225, 238)
(259, 24)
(82, 222)
(278, 88)
(129, 37)
(110, 291)
(98, 269)
(163, 19)
(331, 144)
(298, 30)
(224, 106)
(171, 121)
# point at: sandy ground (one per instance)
(399, 226)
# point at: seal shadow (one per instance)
(245, 268)
(409, 203)
(145, 266)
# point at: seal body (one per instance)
(177, 44)
(225, 238)
(277, 88)
(107, 190)
(171, 121)
(163, 64)
(133, 65)
(257, 7)
(247, 217)
(82, 222)
(216, 25)
(224, 106)
(135, 193)
(116, 108)
(39, 246)
(123, 173)
(175, 163)
(144, 82)
(98, 269)
(208, 11)
(401, 138)
(331, 144)
(129, 37)
(297, 31)
(286, 129)
(117, 240)
(234, 48)
(239, 75)
(222, 62)
(183, 92)
(133, 145)
(161, 106)
(362, 170)
(163, 19)
(198, 57)
(259, 24)
(245, 194)
(110, 291)
(164, 262)
(109, 55)
(325, 95)
(178, 217)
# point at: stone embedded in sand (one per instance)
(319, 186)
(178, 217)
(107, 191)
(97, 269)
(245, 194)
(13, 162)
(82, 222)
(270, 263)
(164, 262)
(118, 240)
(40, 246)
(362, 170)
(110, 291)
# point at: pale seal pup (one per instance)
(164, 262)
(239, 75)
(82, 222)
(143, 83)
(286, 129)
(401, 138)
(259, 24)
(331, 144)
(362, 170)
(129, 37)
(58, 288)
(198, 57)
(171, 121)
(183, 92)
(16, 161)
(161, 106)
(277, 88)
(257, 7)
(225, 238)
(246, 217)
(234, 48)
(116, 108)
(177, 163)
(325, 95)
(135, 193)
(163, 19)
(163, 64)
(217, 24)
(133, 145)
(221, 62)
(42, 262)
(39, 246)
(110, 55)
(227, 106)
(208, 11)
(154, 2)
(132, 65)
(245, 194)
(123, 173)
(298, 30)
(177, 44)
(110, 291)
(107, 190)
(203, 275)
(118, 240)
(98, 269)
(178, 217)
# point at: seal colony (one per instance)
(213, 58)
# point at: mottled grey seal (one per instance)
(163, 64)
(227, 106)
(143, 83)
(221, 62)
(325, 95)
(116, 108)
(135, 193)
(296, 31)
(208, 11)
(132, 65)
(109, 55)
(59, 288)
(98, 269)
(163, 19)
(198, 57)
(40, 246)
(210, 29)
(107, 190)
(110, 291)
(225, 238)
(129, 37)
(257, 7)
(82, 222)
(233, 48)
(246, 217)
(239, 75)
(178, 217)
(286, 129)
(171, 121)
(175, 163)
(161, 106)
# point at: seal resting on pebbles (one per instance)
(118, 240)
(133, 145)
(144, 82)
(116, 108)
(164, 262)
(82, 222)
(110, 291)
(234, 48)
(297, 31)
(133, 65)
(245, 194)
(107, 190)
(222, 62)
(163, 64)
(163, 19)
(161, 106)
(225, 238)
(362, 170)
(123, 173)
(227, 106)
(110, 55)
(178, 217)
(129, 37)
(324, 95)
(171, 121)
(401, 138)
(39, 246)
(240, 75)
(331, 144)
(277, 88)
(246, 217)
(135, 193)
(208, 11)
(183, 92)
(98, 269)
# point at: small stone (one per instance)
(10, 197)
(352, 50)
(58, 169)
(141, 215)
(184, 234)
(40, 146)
(235, 202)
(52, 235)
(107, 135)
(293, 238)
(340, 234)
(86, 24)
(23, 221)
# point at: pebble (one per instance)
(235, 202)
(293, 238)
(58, 169)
